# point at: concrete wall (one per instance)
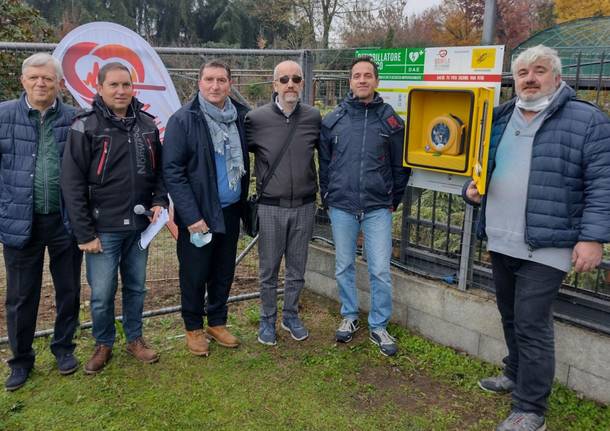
(469, 321)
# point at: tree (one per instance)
(567, 10)
(273, 20)
(18, 23)
(459, 22)
(544, 13)
(68, 14)
(369, 26)
(515, 23)
(455, 22)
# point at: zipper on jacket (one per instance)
(151, 151)
(366, 112)
(101, 166)
(291, 176)
(45, 185)
(133, 179)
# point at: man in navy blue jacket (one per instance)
(362, 181)
(547, 208)
(206, 172)
(33, 131)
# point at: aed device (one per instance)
(448, 130)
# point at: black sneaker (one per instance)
(17, 378)
(346, 330)
(387, 343)
(66, 363)
(497, 384)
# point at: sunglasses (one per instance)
(295, 78)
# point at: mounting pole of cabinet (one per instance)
(489, 23)
(468, 241)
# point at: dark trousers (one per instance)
(24, 281)
(210, 268)
(525, 292)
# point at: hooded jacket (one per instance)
(110, 165)
(361, 153)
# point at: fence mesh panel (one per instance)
(428, 227)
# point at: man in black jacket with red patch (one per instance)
(112, 163)
(362, 181)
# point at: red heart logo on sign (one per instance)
(103, 52)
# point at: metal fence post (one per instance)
(307, 66)
(465, 260)
(407, 202)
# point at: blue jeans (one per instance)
(377, 228)
(121, 252)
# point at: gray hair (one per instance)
(535, 53)
(275, 73)
(42, 59)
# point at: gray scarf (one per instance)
(225, 137)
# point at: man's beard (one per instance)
(537, 103)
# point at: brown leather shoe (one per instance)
(197, 343)
(222, 336)
(99, 359)
(142, 351)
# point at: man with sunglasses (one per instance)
(362, 181)
(287, 204)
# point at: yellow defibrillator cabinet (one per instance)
(448, 130)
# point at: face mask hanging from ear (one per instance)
(541, 103)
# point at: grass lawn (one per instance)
(313, 385)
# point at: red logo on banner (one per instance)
(103, 52)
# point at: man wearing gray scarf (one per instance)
(206, 170)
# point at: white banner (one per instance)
(84, 50)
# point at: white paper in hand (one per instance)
(153, 229)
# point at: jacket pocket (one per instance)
(150, 147)
(102, 148)
(338, 149)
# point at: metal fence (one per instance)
(428, 228)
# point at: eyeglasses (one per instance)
(295, 78)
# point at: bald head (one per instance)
(284, 65)
(288, 84)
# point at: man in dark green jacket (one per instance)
(33, 131)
